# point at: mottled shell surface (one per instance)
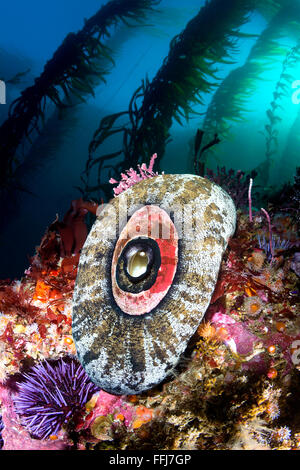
(127, 354)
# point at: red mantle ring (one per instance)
(151, 222)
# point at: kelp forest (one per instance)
(147, 92)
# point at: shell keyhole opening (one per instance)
(137, 264)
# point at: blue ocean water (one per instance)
(30, 34)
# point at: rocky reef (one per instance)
(235, 387)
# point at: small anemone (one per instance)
(52, 394)
(207, 331)
(253, 305)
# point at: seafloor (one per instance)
(237, 386)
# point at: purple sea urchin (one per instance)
(51, 395)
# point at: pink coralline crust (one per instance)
(244, 341)
(16, 437)
(108, 404)
(282, 340)
(132, 177)
(243, 338)
(219, 317)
